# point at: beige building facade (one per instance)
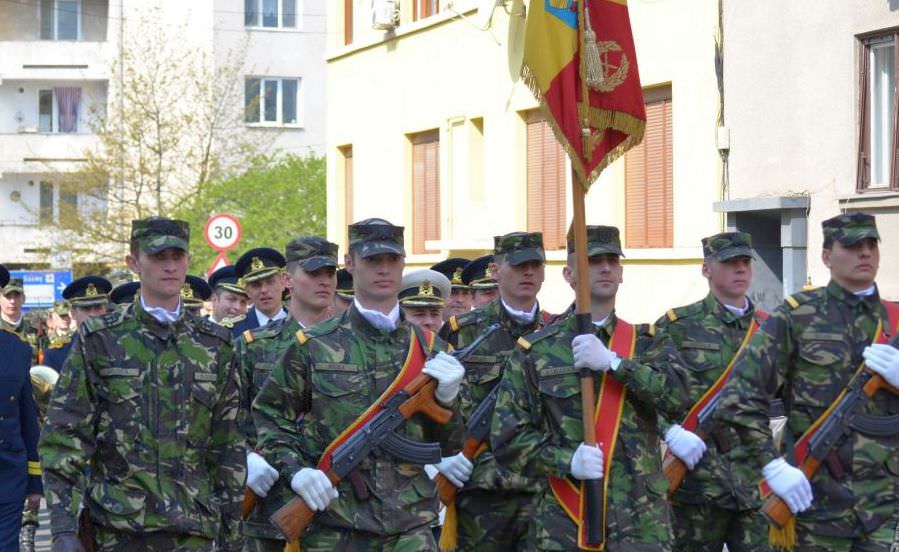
(429, 127)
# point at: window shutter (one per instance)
(649, 181)
(347, 21)
(545, 183)
(425, 189)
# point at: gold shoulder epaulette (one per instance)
(248, 336)
(524, 344)
(651, 330)
(792, 301)
(672, 316)
(453, 323)
(301, 337)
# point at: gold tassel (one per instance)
(593, 72)
(292, 546)
(783, 538)
(450, 528)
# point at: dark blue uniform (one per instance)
(20, 469)
(250, 322)
(55, 356)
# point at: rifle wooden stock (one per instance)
(294, 517)
(446, 490)
(249, 502)
(774, 508)
(675, 470)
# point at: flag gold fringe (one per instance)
(598, 118)
(292, 546)
(449, 531)
(783, 538)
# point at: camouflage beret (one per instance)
(375, 236)
(88, 292)
(14, 285)
(601, 240)
(311, 252)
(520, 247)
(424, 288)
(155, 234)
(850, 228)
(62, 308)
(727, 245)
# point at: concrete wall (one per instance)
(791, 106)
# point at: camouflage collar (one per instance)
(155, 326)
(837, 291)
(716, 307)
(496, 311)
(359, 325)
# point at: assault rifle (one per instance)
(843, 419)
(378, 433)
(674, 468)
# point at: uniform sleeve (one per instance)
(759, 371)
(656, 376)
(30, 433)
(278, 409)
(519, 438)
(226, 455)
(244, 369)
(68, 444)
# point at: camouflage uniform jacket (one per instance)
(256, 353)
(708, 335)
(806, 353)
(537, 427)
(483, 370)
(318, 389)
(154, 410)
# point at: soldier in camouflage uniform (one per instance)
(717, 502)
(494, 507)
(149, 398)
(311, 272)
(537, 430)
(327, 378)
(12, 319)
(805, 353)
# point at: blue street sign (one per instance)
(42, 287)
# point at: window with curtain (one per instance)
(425, 189)
(878, 114)
(649, 178)
(272, 101)
(270, 13)
(59, 109)
(545, 160)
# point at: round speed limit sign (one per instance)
(222, 232)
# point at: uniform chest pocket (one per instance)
(120, 384)
(824, 348)
(559, 383)
(337, 380)
(261, 371)
(701, 356)
(203, 388)
(481, 369)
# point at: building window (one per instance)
(347, 22)
(270, 13)
(68, 209)
(424, 8)
(545, 181)
(45, 212)
(60, 19)
(878, 113)
(649, 178)
(425, 189)
(271, 101)
(58, 109)
(346, 153)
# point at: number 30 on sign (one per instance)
(222, 232)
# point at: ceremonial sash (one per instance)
(800, 450)
(692, 419)
(609, 406)
(415, 361)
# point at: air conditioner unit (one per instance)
(385, 14)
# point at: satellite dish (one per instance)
(515, 42)
(485, 13)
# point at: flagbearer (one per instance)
(537, 427)
(806, 353)
(329, 376)
(717, 503)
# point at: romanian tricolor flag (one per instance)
(580, 63)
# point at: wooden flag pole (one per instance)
(593, 488)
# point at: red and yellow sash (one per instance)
(692, 418)
(609, 406)
(800, 450)
(415, 361)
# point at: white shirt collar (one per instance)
(601, 323)
(17, 322)
(866, 292)
(522, 317)
(162, 315)
(264, 320)
(379, 319)
(737, 310)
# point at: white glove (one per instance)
(590, 352)
(685, 444)
(260, 475)
(586, 463)
(449, 373)
(883, 359)
(456, 468)
(314, 488)
(789, 484)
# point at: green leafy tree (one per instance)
(275, 200)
